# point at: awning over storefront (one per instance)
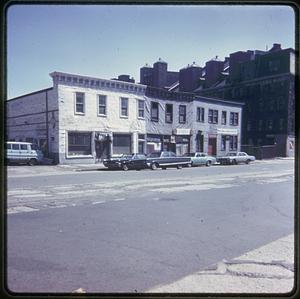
(226, 131)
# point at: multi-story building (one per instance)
(81, 119)
(265, 81)
(184, 122)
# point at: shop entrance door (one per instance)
(212, 146)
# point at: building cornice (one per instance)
(97, 83)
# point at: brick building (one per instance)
(265, 81)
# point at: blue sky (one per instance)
(106, 41)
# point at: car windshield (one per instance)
(116, 156)
(154, 155)
(189, 155)
(231, 154)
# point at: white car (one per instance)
(236, 158)
(198, 158)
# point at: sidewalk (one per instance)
(267, 269)
(82, 167)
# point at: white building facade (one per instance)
(83, 119)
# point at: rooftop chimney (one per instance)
(276, 47)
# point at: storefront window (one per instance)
(223, 143)
(79, 144)
(233, 143)
(121, 144)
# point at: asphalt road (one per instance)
(131, 231)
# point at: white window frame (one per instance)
(75, 101)
(200, 114)
(138, 109)
(121, 115)
(98, 102)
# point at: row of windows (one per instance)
(97, 83)
(267, 125)
(102, 105)
(213, 115)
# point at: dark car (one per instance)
(164, 159)
(125, 162)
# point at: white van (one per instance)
(23, 152)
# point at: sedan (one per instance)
(198, 159)
(126, 162)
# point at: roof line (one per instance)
(31, 93)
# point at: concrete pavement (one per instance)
(267, 269)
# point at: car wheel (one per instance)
(164, 168)
(208, 163)
(154, 166)
(125, 167)
(189, 164)
(32, 162)
(248, 161)
(179, 166)
(234, 162)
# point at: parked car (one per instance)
(164, 159)
(236, 158)
(200, 159)
(126, 162)
(23, 153)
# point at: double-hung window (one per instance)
(200, 114)
(182, 114)
(102, 105)
(124, 107)
(79, 103)
(154, 111)
(213, 116)
(234, 118)
(169, 113)
(141, 109)
(210, 116)
(224, 117)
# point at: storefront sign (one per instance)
(153, 138)
(166, 139)
(181, 139)
(181, 131)
(227, 131)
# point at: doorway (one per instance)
(212, 145)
